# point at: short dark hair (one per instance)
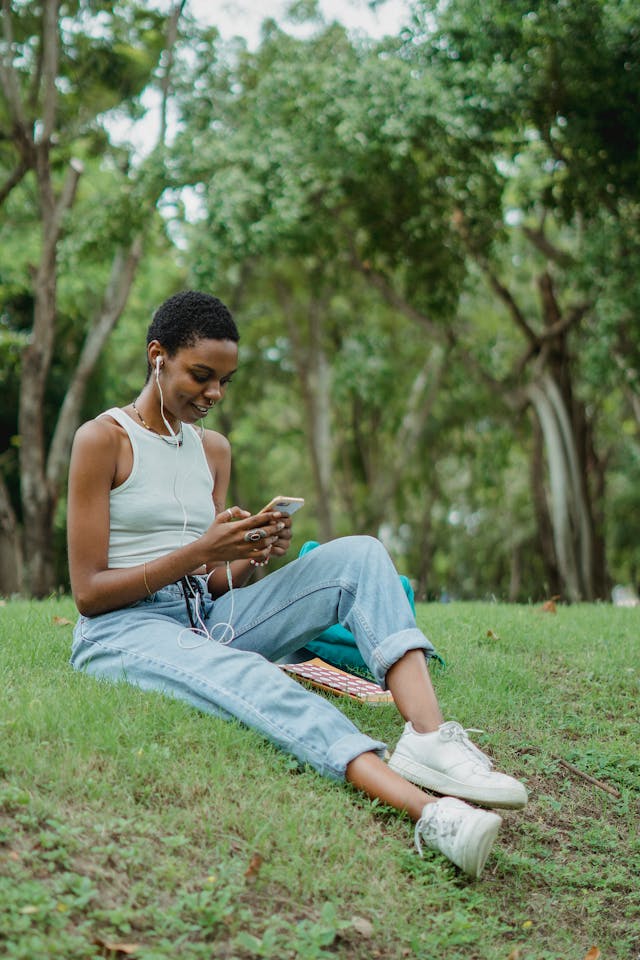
(190, 316)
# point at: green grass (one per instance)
(131, 825)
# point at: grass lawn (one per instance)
(131, 825)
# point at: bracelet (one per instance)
(144, 575)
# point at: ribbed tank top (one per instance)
(166, 501)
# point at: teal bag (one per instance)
(337, 645)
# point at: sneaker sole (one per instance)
(477, 843)
(438, 782)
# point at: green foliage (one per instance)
(567, 71)
(316, 144)
(107, 57)
(553, 86)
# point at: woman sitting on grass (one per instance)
(159, 570)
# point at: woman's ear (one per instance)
(155, 356)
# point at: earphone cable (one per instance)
(202, 629)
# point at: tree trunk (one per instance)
(569, 508)
(123, 271)
(552, 585)
(314, 374)
(38, 497)
(37, 507)
(11, 563)
(515, 575)
(423, 586)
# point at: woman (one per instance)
(159, 567)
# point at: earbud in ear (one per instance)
(158, 364)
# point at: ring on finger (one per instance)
(253, 536)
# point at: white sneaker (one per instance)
(447, 762)
(463, 834)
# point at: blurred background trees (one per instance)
(430, 243)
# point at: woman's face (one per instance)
(196, 377)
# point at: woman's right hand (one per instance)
(236, 534)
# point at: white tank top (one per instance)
(165, 502)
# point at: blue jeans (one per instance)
(351, 581)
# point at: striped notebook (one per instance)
(325, 677)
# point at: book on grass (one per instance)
(324, 676)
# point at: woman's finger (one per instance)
(233, 513)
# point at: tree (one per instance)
(63, 67)
(291, 156)
(501, 83)
(442, 169)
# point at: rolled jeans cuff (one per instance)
(346, 749)
(393, 647)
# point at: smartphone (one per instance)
(286, 505)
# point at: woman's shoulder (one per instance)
(216, 443)
(104, 433)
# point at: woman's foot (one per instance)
(461, 833)
(447, 762)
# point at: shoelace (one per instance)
(453, 731)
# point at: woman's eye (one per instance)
(225, 383)
(199, 377)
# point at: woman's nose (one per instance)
(213, 391)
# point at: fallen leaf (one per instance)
(253, 869)
(63, 622)
(593, 953)
(515, 954)
(527, 924)
(125, 948)
(362, 926)
(29, 909)
(14, 855)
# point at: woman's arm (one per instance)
(97, 588)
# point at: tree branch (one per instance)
(550, 308)
(395, 300)
(496, 284)
(49, 68)
(52, 224)
(423, 394)
(172, 36)
(507, 298)
(544, 245)
(572, 318)
(12, 181)
(114, 301)
(587, 776)
(10, 81)
(398, 302)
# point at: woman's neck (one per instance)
(150, 414)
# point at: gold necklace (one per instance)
(176, 438)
